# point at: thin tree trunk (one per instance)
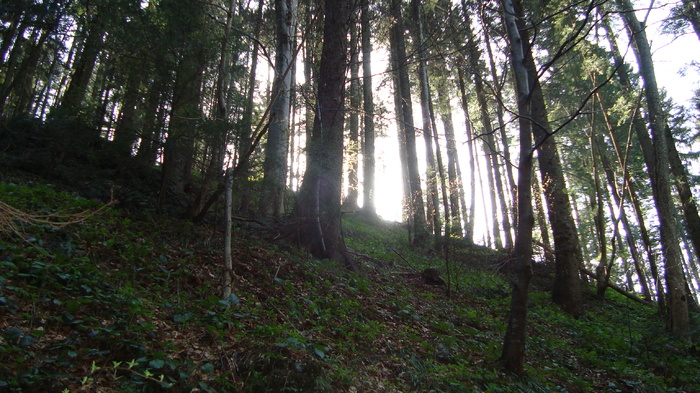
(618, 199)
(353, 145)
(275, 166)
(468, 217)
(512, 356)
(501, 123)
(228, 234)
(416, 205)
(218, 141)
(489, 145)
(246, 136)
(597, 208)
(677, 318)
(83, 69)
(455, 182)
(431, 170)
(645, 144)
(568, 259)
(542, 220)
(368, 163)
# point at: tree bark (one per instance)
(352, 149)
(246, 135)
(83, 68)
(433, 202)
(468, 216)
(317, 209)
(512, 356)
(455, 181)
(637, 125)
(368, 161)
(415, 199)
(276, 150)
(677, 317)
(489, 142)
(566, 291)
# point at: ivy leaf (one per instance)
(156, 363)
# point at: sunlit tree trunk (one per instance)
(352, 149)
(489, 141)
(677, 318)
(276, 149)
(368, 161)
(468, 216)
(415, 202)
(501, 122)
(246, 132)
(455, 181)
(432, 199)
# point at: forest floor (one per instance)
(130, 301)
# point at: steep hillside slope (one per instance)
(128, 301)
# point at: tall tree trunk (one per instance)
(501, 122)
(433, 202)
(646, 146)
(353, 145)
(542, 221)
(566, 291)
(416, 205)
(597, 208)
(368, 162)
(275, 166)
(83, 68)
(468, 217)
(317, 209)
(154, 113)
(125, 134)
(618, 199)
(682, 183)
(403, 153)
(246, 133)
(218, 141)
(489, 141)
(185, 114)
(677, 318)
(455, 182)
(513, 353)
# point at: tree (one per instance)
(317, 209)
(489, 141)
(514, 342)
(353, 146)
(405, 111)
(677, 317)
(566, 290)
(433, 202)
(368, 166)
(275, 168)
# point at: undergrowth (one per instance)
(127, 302)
